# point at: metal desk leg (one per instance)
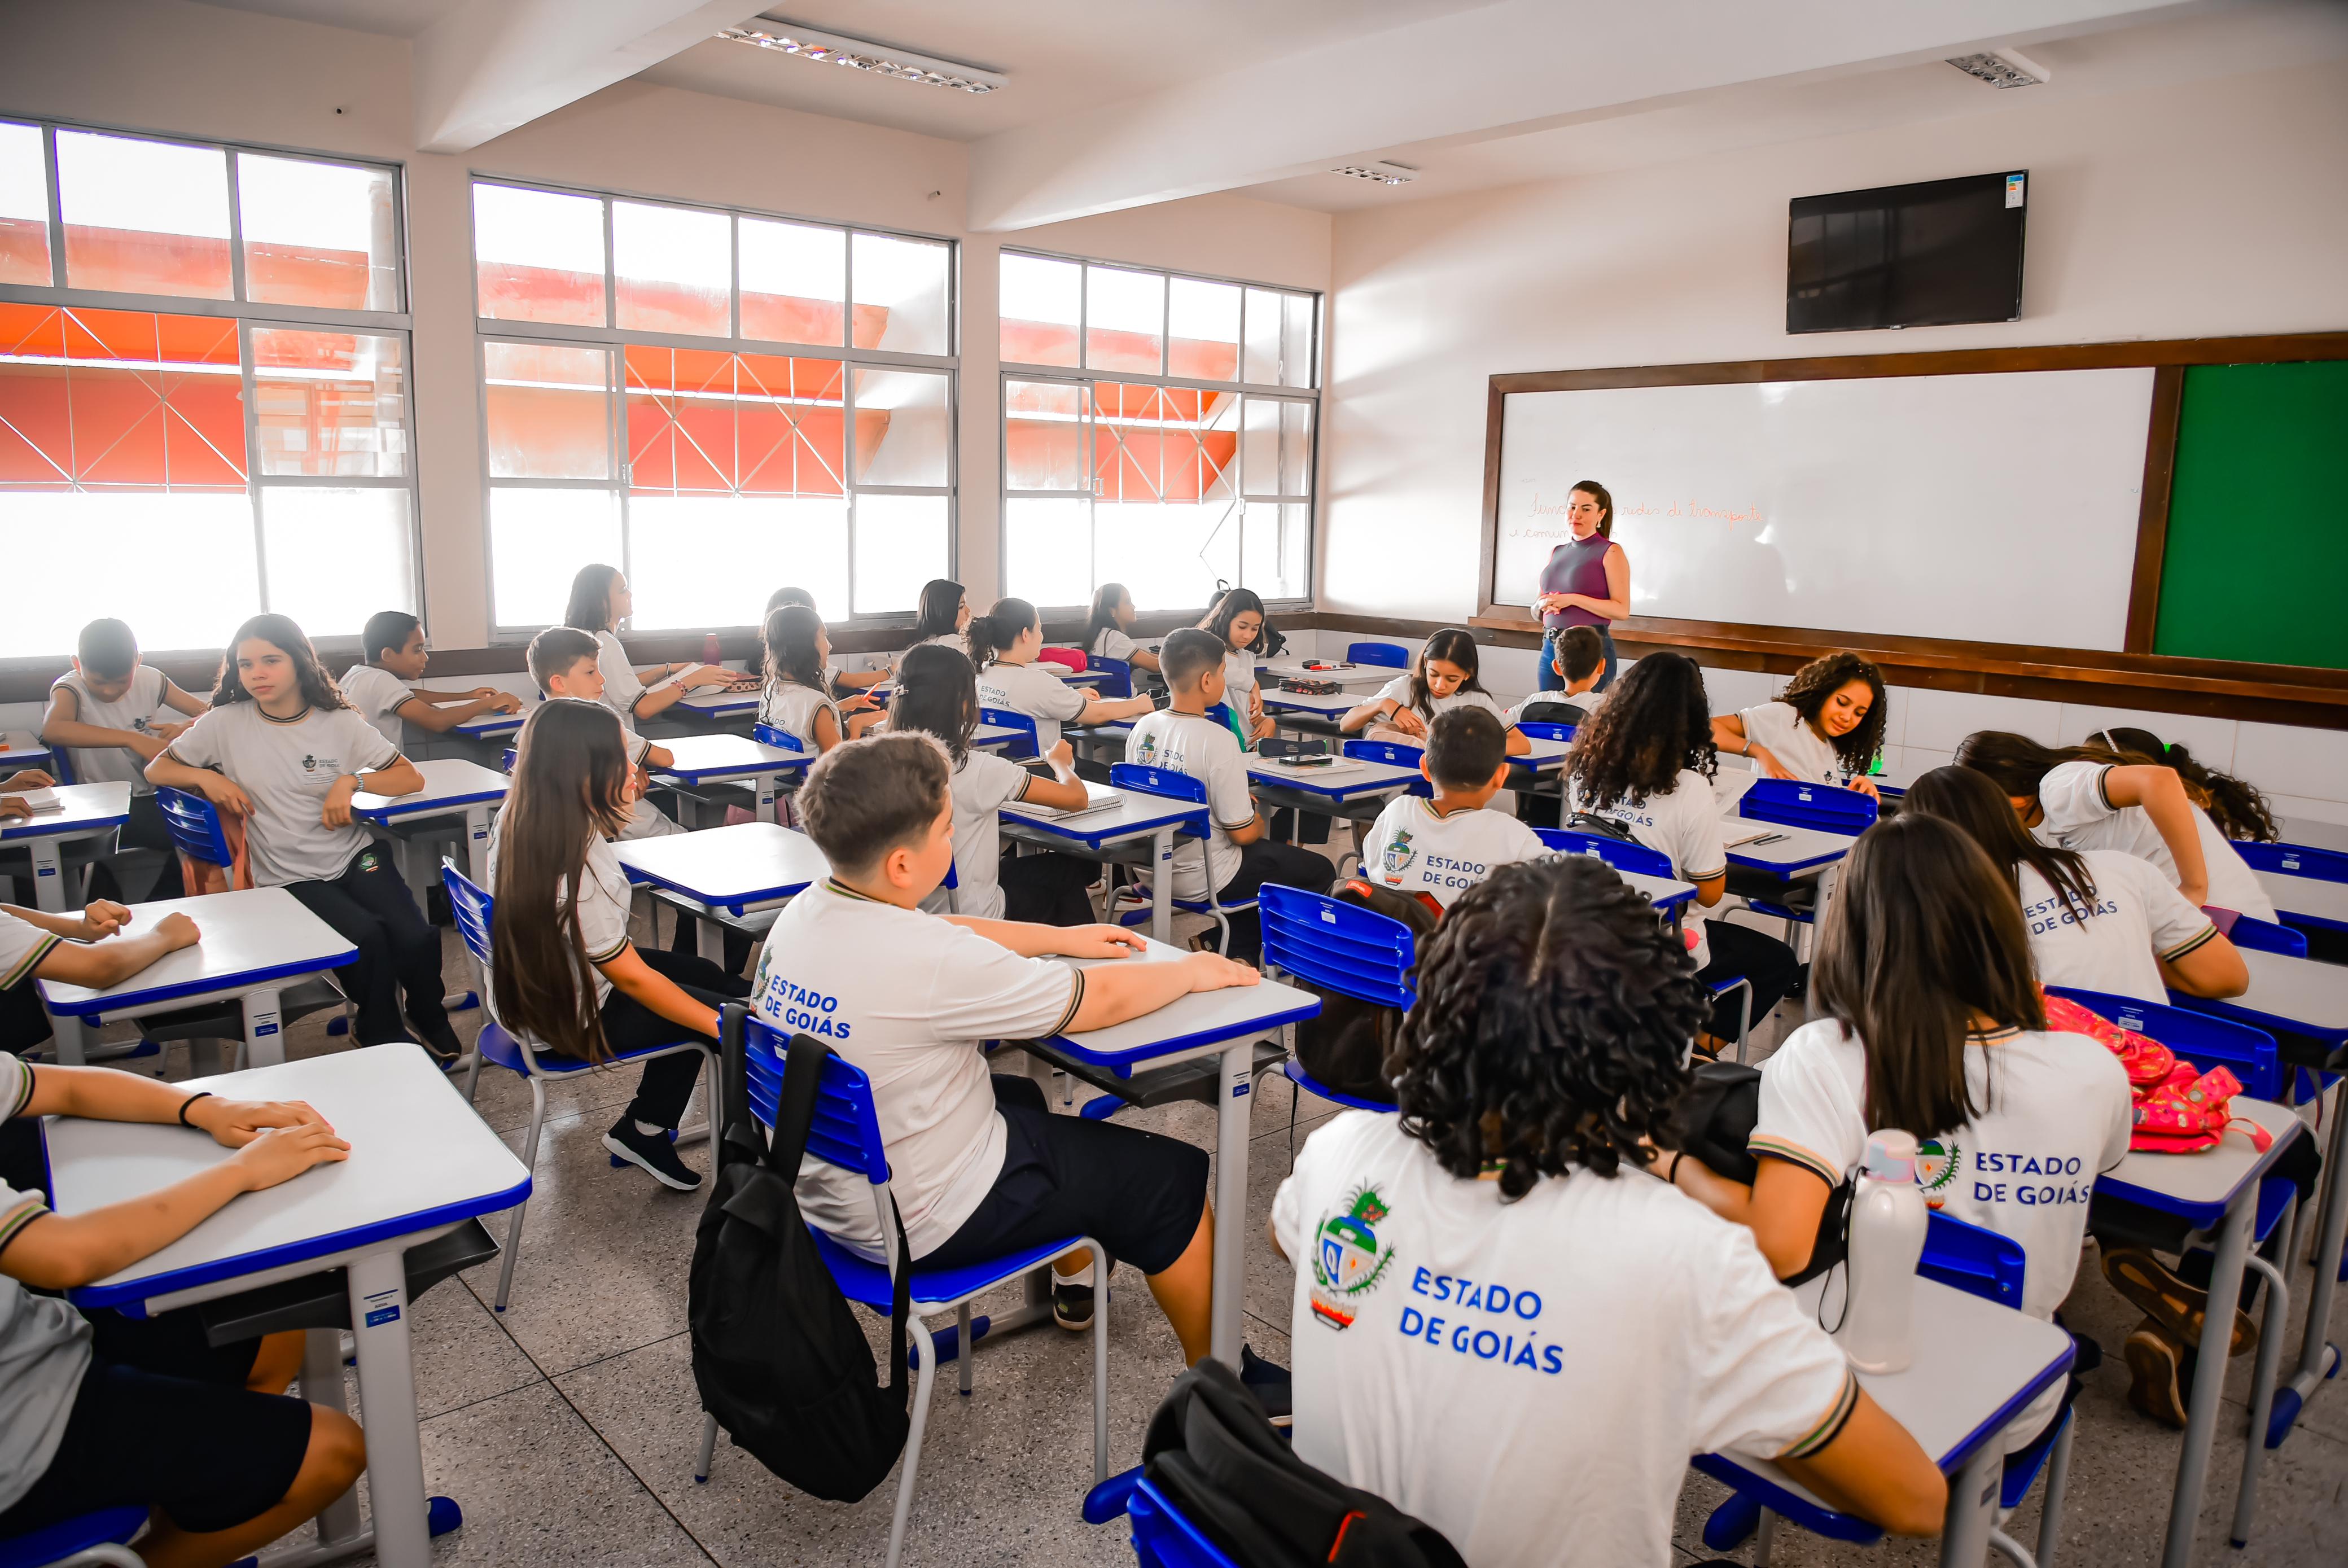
(67, 1038)
(709, 940)
(1162, 895)
(2206, 1401)
(477, 844)
(768, 792)
(322, 1383)
(1973, 1508)
(2262, 1380)
(379, 1289)
(2318, 1359)
(48, 875)
(1226, 1315)
(265, 1030)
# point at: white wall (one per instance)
(2163, 213)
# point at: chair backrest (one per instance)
(1337, 946)
(1011, 718)
(1971, 1259)
(847, 1130)
(783, 740)
(2205, 1041)
(1384, 654)
(1542, 729)
(1164, 781)
(470, 908)
(1387, 751)
(1794, 803)
(2295, 860)
(1164, 1538)
(59, 766)
(1117, 674)
(2266, 936)
(194, 825)
(1621, 856)
(508, 759)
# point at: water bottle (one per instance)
(710, 651)
(1887, 1237)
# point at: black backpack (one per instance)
(1346, 1044)
(1711, 1121)
(780, 1361)
(1210, 1449)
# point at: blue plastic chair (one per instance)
(2295, 860)
(1542, 729)
(1011, 718)
(475, 912)
(1622, 856)
(783, 740)
(2206, 1041)
(1383, 655)
(847, 1134)
(1394, 754)
(1163, 1537)
(86, 1541)
(2258, 936)
(1151, 780)
(1792, 803)
(1336, 946)
(1117, 675)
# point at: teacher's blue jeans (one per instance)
(1551, 681)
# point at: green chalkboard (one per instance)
(2256, 562)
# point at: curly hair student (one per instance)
(1826, 727)
(1557, 1332)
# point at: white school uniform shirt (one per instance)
(1413, 850)
(2080, 816)
(1531, 1378)
(908, 998)
(983, 784)
(1398, 690)
(1238, 679)
(1196, 744)
(602, 907)
(23, 945)
(2057, 1114)
(2116, 941)
(1799, 748)
(1682, 823)
(140, 709)
(1026, 688)
(1113, 643)
(287, 769)
(791, 708)
(622, 689)
(45, 1343)
(377, 694)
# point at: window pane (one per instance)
(23, 207)
(900, 294)
(318, 233)
(794, 425)
(1277, 455)
(901, 427)
(1278, 561)
(698, 561)
(901, 543)
(1205, 345)
(1167, 523)
(539, 256)
(336, 556)
(538, 538)
(109, 399)
(794, 281)
(549, 413)
(328, 403)
(1048, 550)
(680, 418)
(1041, 301)
(1045, 436)
(673, 269)
(207, 538)
(1279, 339)
(1125, 319)
(144, 217)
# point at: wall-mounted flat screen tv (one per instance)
(1932, 255)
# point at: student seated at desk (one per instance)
(1936, 1027)
(1826, 728)
(1580, 660)
(979, 1165)
(937, 695)
(1239, 856)
(112, 715)
(1440, 847)
(1557, 1332)
(944, 617)
(72, 950)
(1237, 622)
(1003, 644)
(2097, 919)
(1646, 763)
(392, 656)
(562, 661)
(1446, 674)
(104, 1411)
(284, 753)
(600, 601)
(1106, 633)
(2233, 805)
(797, 698)
(566, 974)
(844, 683)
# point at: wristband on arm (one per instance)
(200, 1094)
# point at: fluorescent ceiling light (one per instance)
(788, 37)
(1383, 173)
(2004, 68)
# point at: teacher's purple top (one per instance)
(1577, 566)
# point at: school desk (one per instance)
(1138, 816)
(995, 737)
(726, 876)
(88, 813)
(1349, 677)
(19, 749)
(453, 788)
(421, 1164)
(715, 703)
(2307, 901)
(253, 941)
(1332, 706)
(2314, 834)
(1545, 760)
(1223, 1024)
(1350, 780)
(481, 738)
(700, 760)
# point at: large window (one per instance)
(718, 402)
(203, 403)
(1156, 431)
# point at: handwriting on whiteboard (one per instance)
(1691, 507)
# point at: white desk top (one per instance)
(2315, 834)
(21, 748)
(1363, 777)
(1798, 849)
(1658, 889)
(1336, 705)
(420, 1158)
(1544, 756)
(1189, 1022)
(715, 701)
(251, 938)
(987, 737)
(85, 809)
(487, 723)
(1138, 814)
(750, 863)
(2200, 1186)
(2308, 896)
(1350, 676)
(449, 782)
(2299, 993)
(721, 756)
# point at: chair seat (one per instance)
(863, 1281)
(1310, 1085)
(2021, 1466)
(500, 1048)
(109, 1526)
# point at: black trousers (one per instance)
(399, 952)
(1260, 862)
(1049, 889)
(22, 1023)
(1757, 956)
(666, 1085)
(144, 830)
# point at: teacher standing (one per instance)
(1587, 581)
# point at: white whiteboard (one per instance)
(1997, 508)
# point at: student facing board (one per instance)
(392, 657)
(1579, 663)
(1439, 848)
(1826, 728)
(112, 714)
(565, 662)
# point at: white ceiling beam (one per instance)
(491, 65)
(1515, 66)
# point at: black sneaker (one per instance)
(440, 1042)
(1072, 1304)
(652, 1150)
(1269, 1383)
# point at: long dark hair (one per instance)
(1968, 799)
(1655, 724)
(1819, 679)
(991, 635)
(2234, 804)
(569, 784)
(1605, 498)
(1453, 647)
(941, 608)
(1229, 608)
(318, 688)
(937, 692)
(1923, 934)
(589, 608)
(1104, 615)
(1552, 1027)
(791, 656)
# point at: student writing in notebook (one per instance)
(113, 713)
(381, 686)
(1826, 728)
(1447, 674)
(1440, 847)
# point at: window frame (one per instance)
(614, 340)
(1086, 378)
(249, 315)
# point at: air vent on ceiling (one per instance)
(2002, 68)
(1381, 172)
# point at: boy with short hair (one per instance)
(392, 655)
(979, 1164)
(1238, 857)
(563, 662)
(1442, 847)
(1580, 660)
(111, 715)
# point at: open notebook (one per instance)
(39, 801)
(1736, 831)
(1100, 799)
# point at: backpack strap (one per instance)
(737, 1135)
